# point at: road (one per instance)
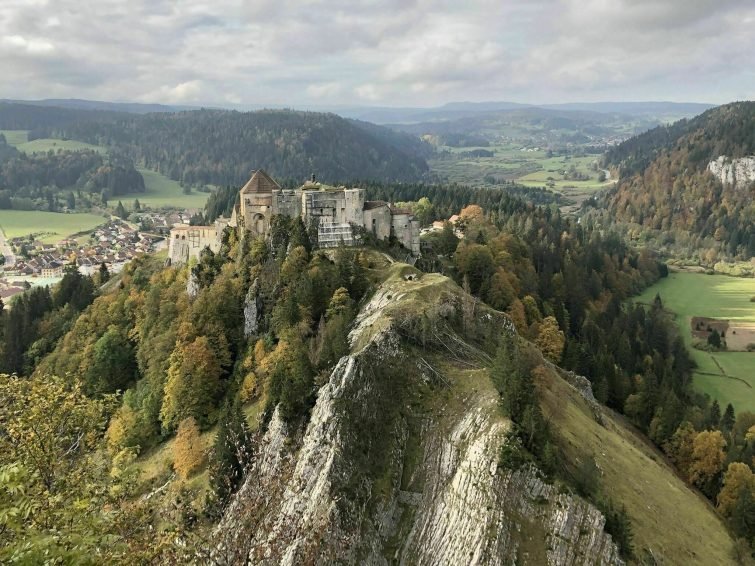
(10, 259)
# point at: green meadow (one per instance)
(46, 144)
(726, 376)
(15, 137)
(53, 226)
(162, 192)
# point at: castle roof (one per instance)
(260, 182)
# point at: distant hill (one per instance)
(25, 116)
(221, 147)
(79, 104)
(660, 111)
(667, 185)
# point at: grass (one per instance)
(53, 225)
(162, 193)
(677, 524)
(15, 137)
(715, 296)
(46, 144)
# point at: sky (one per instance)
(377, 53)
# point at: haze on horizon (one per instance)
(367, 52)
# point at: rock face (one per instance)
(192, 285)
(738, 172)
(252, 310)
(383, 475)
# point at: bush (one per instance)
(751, 347)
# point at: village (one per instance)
(29, 261)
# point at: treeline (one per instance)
(222, 147)
(33, 181)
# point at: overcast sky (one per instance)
(373, 52)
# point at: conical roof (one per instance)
(260, 182)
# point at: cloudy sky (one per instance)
(373, 52)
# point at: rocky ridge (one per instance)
(388, 472)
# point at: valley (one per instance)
(728, 376)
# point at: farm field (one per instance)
(162, 192)
(525, 166)
(46, 144)
(726, 376)
(15, 137)
(53, 225)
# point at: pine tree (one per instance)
(120, 211)
(727, 421)
(104, 273)
(137, 205)
(714, 415)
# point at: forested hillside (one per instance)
(221, 147)
(262, 324)
(667, 194)
(33, 181)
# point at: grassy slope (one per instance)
(715, 296)
(15, 137)
(678, 525)
(56, 226)
(163, 192)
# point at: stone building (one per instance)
(335, 211)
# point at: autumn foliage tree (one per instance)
(188, 453)
(707, 458)
(193, 383)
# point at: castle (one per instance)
(334, 210)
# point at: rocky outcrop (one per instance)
(252, 310)
(738, 172)
(192, 285)
(385, 475)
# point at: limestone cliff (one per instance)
(399, 461)
(739, 172)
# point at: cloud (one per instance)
(389, 52)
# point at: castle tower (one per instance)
(257, 202)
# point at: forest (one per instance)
(667, 198)
(34, 181)
(220, 147)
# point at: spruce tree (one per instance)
(714, 415)
(727, 421)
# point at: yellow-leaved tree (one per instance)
(550, 339)
(193, 383)
(738, 476)
(707, 456)
(188, 453)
